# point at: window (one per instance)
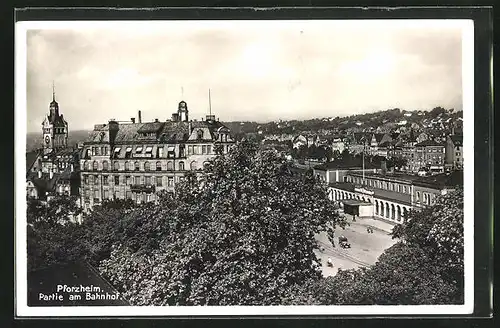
(96, 180)
(159, 152)
(193, 165)
(105, 166)
(97, 152)
(116, 152)
(182, 151)
(203, 149)
(94, 165)
(138, 149)
(159, 181)
(418, 196)
(171, 152)
(129, 194)
(149, 150)
(96, 195)
(209, 149)
(190, 150)
(181, 166)
(91, 179)
(148, 180)
(170, 166)
(158, 166)
(106, 194)
(117, 180)
(128, 152)
(170, 181)
(116, 166)
(137, 166)
(131, 166)
(200, 134)
(404, 189)
(457, 153)
(88, 153)
(147, 166)
(105, 180)
(128, 180)
(85, 179)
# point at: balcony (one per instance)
(149, 188)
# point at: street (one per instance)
(365, 247)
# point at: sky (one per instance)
(256, 70)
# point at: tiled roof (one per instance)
(426, 143)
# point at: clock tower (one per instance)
(54, 128)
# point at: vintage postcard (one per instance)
(214, 168)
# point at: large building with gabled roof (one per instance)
(137, 160)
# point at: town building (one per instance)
(390, 196)
(430, 155)
(454, 152)
(138, 160)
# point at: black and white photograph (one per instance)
(249, 167)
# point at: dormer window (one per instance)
(128, 151)
(138, 150)
(200, 134)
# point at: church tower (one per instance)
(54, 128)
(183, 112)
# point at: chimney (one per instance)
(132, 119)
(39, 174)
(139, 118)
(190, 127)
(383, 167)
(175, 117)
(156, 120)
(210, 118)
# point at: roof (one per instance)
(428, 143)
(443, 180)
(457, 139)
(355, 202)
(394, 176)
(378, 136)
(31, 158)
(349, 163)
(164, 131)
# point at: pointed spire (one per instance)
(53, 91)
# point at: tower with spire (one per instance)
(54, 127)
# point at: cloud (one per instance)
(256, 71)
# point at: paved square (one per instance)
(365, 247)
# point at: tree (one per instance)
(244, 234)
(52, 232)
(424, 267)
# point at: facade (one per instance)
(429, 154)
(454, 152)
(136, 160)
(392, 195)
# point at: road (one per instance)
(365, 247)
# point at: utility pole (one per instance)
(364, 146)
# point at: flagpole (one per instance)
(364, 145)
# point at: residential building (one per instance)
(138, 160)
(454, 152)
(430, 155)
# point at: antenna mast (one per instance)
(209, 102)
